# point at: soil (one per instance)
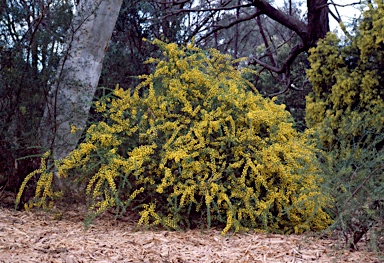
(61, 237)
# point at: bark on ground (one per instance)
(61, 237)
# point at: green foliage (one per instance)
(347, 111)
(191, 146)
(32, 34)
(353, 174)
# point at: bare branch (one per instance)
(287, 63)
(215, 9)
(206, 19)
(306, 81)
(337, 18)
(282, 91)
(288, 84)
(337, 12)
(218, 28)
(297, 50)
(258, 75)
(339, 5)
(364, 181)
(254, 61)
(173, 2)
(266, 43)
(289, 21)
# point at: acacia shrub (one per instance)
(192, 146)
(347, 111)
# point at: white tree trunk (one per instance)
(71, 94)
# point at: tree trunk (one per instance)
(318, 21)
(70, 97)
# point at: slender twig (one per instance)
(254, 61)
(361, 185)
(338, 19)
(286, 64)
(173, 2)
(282, 91)
(287, 85)
(218, 28)
(192, 10)
(266, 43)
(339, 5)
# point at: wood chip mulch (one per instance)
(46, 237)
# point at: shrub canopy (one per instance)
(195, 144)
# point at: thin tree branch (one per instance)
(306, 81)
(282, 91)
(173, 2)
(198, 27)
(258, 75)
(287, 85)
(337, 18)
(289, 21)
(337, 12)
(254, 61)
(218, 28)
(361, 185)
(339, 5)
(215, 9)
(287, 63)
(266, 43)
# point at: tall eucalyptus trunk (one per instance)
(70, 97)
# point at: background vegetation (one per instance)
(347, 111)
(198, 129)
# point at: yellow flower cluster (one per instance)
(348, 95)
(198, 141)
(262, 149)
(44, 194)
(101, 206)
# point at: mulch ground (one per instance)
(50, 237)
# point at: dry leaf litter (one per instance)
(46, 237)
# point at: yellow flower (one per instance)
(74, 129)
